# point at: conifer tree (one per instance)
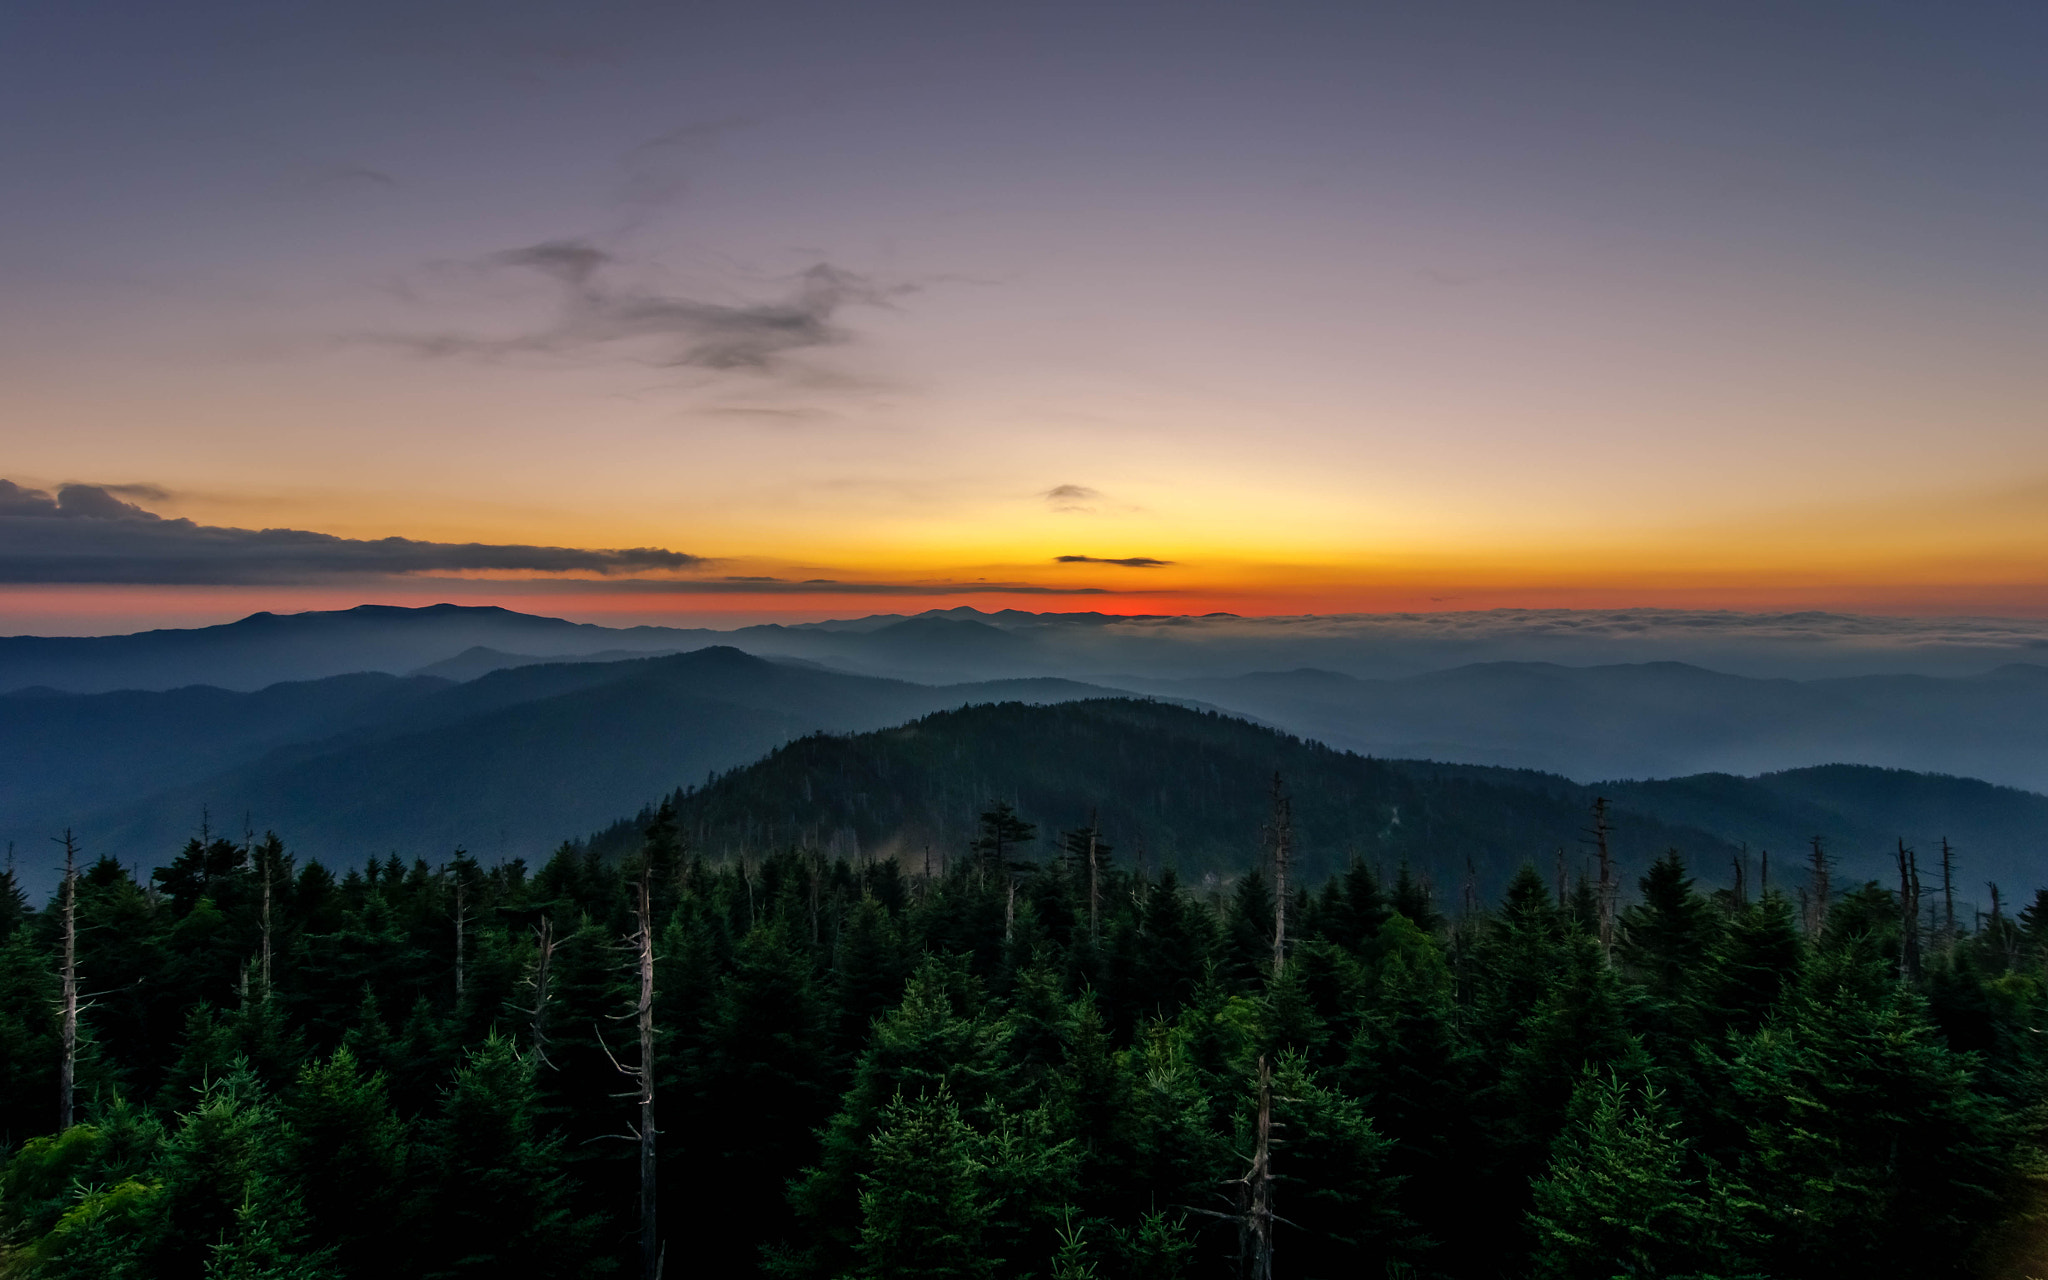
(1615, 1200)
(345, 1147)
(923, 1205)
(496, 1195)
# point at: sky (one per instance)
(732, 312)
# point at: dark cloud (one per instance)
(84, 533)
(76, 501)
(598, 315)
(1128, 562)
(809, 586)
(1071, 497)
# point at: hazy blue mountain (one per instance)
(1658, 719)
(1637, 720)
(1998, 833)
(1191, 788)
(266, 648)
(507, 764)
(481, 660)
(66, 754)
(963, 643)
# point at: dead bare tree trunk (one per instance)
(1948, 895)
(1094, 880)
(68, 1068)
(817, 882)
(1601, 831)
(1909, 914)
(1564, 896)
(543, 964)
(650, 1238)
(1818, 910)
(461, 930)
(1283, 840)
(643, 1074)
(265, 968)
(1739, 898)
(1763, 874)
(1997, 924)
(1259, 1216)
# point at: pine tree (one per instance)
(346, 1147)
(1615, 1200)
(496, 1195)
(923, 1205)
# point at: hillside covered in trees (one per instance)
(1168, 785)
(1037, 1060)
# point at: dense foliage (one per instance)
(989, 1072)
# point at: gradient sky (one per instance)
(1332, 307)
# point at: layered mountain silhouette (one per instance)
(420, 730)
(1658, 719)
(506, 765)
(1587, 722)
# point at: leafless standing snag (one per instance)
(265, 967)
(1254, 1191)
(641, 942)
(461, 930)
(67, 1069)
(2011, 940)
(1817, 910)
(1601, 831)
(1909, 913)
(1282, 835)
(1259, 1182)
(543, 964)
(1948, 895)
(1094, 880)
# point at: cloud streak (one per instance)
(1128, 562)
(85, 533)
(598, 315)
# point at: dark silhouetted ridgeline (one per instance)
(1183, 787)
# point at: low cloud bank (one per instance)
(87, 533)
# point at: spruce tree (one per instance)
(1615, 1200)
(496, 1196)
(345, 1146)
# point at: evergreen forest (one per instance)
(1037, 1057)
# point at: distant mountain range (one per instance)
(966, 644)
(1657, 719)
(1170, 784)
(508, 764)
(1614, 720)
(417, 730)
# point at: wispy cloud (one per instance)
(1072, 497)
(659, 170)
(86, 533)
(1128, 562)
(598, 315)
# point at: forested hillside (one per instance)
(1175, 786)
(1037, 1061)
(507, 765)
